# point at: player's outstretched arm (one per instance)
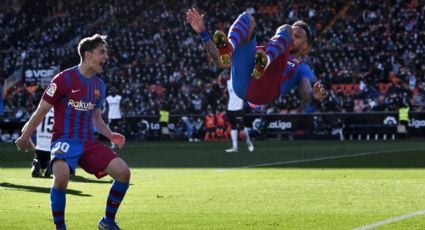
(103, 129)
(23, 142)
(196, 21)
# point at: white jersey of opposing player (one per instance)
(44, 132)
(114, 111)
(235, 103)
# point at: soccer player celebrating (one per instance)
(262, 73)
(76, 95)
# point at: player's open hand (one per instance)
(319, 92)
(196, 20)
(24, 144)
(118, 139)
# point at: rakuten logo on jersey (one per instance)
(81, 105)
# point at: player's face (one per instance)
(299, 40)
(98, 58)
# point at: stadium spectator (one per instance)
(164, 119)
(152, 52)
(403, 118)
(189, 128)
(220, 118)
(210, 126)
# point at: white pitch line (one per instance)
(391, 220)
(323, 158)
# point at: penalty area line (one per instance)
(391, 220)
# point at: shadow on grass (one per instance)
(270, 154)
(81, 179)
(40, 189)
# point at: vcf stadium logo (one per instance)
(81, 105)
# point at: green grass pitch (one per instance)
(282, 185)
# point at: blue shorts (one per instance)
(93, 156)
(68, 150)
(243, 61)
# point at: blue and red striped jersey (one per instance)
(74, 98)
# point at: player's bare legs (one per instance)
(241, 31)
(119, 170)
(61, 173)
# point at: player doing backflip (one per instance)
(261, 73)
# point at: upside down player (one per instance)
(77, 95)
(262, 73)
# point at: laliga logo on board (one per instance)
(417, 123)
(280, 125)
(81, 105)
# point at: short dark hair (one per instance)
(306, 28)
(91, 43)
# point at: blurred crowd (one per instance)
(367, 53)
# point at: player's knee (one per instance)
(125, 172)
(60, 180)
(123, 175)
(61, 172)
(119, 170)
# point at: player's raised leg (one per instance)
(242, 38)
(270, 61)
(240, 31)
(278, 45)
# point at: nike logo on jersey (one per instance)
(75, 90)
